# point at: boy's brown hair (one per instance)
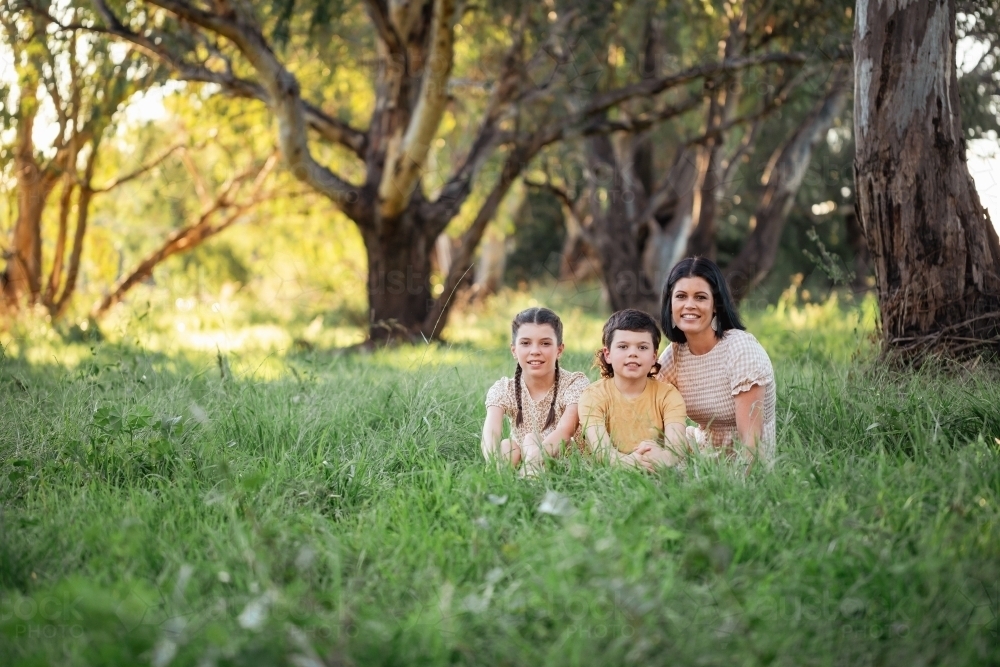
(626, 320)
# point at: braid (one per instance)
(517, 392)
(552, 407)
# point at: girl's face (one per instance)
(631, 354)
(536, 349)
(692, 306)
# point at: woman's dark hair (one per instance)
(626, 320)
(725, 310)
(536, 316)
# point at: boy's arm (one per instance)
(593, 416)
(604, 449)
(670, 454)
(564, 430)
(673, 412)
(492, 431)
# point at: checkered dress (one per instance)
(709, 382)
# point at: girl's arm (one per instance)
(492, 431)
(564, 430)
(750, 416)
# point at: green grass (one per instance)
(313, 509)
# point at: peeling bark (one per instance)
(935, 253)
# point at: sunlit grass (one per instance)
(274, 503)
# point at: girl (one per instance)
(540, 400)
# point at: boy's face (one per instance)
(631, 354)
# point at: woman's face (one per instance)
(536, 349)
(692, 306)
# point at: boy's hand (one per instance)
(653, 455)
(635, 460)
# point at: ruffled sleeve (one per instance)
(748, 362)
(668, 369)
(570, 394)
(499, 395)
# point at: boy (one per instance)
(624, 413)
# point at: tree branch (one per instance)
(404, 162)
(455, 191)
(326, 126)
(131, 176)
(516, 161)
(191, 236)
(650, 87)
(284, 100)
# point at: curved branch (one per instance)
(284, 99)
(326, 126)
(405, 162)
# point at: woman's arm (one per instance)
(492, 431)
(750, 416)
(564, 430)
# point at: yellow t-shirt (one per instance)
(629, 421)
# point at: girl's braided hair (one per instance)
(536, 316)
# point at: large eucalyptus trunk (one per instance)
(935, 253)
(399, 287)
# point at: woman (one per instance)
(722, 372)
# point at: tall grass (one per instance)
(243, 508)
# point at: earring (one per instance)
(715, 323)
(673, 325)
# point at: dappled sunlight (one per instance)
(487, 324)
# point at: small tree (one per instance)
(85, 86)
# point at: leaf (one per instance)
(20, 463)
(109, 419)
(556, 504)
(171, 425)
(140, 417)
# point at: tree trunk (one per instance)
(627, 284)
(59, 255)
(670, 229)
(492, 263)
(935, 253)
(399, 272)
(722, 109)
(23, 275)
(784, 174)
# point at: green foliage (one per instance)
(539, 232)
(826, 262)
(336, 508)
